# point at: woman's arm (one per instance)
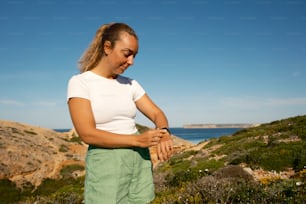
(157, 116)
(84, 123)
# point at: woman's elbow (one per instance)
(86, 136)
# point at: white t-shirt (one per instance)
(112, 100)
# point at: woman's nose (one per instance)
(130, 60)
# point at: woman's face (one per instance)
(122, 55)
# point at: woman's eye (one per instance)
(126, 54)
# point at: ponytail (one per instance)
(94, 52)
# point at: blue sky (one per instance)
(200, 61)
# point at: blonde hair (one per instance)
(95, 51)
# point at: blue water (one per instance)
(194, 135)
(62, 130)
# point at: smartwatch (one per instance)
(165, 128)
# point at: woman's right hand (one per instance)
(150, 138)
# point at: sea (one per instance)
(194, 135)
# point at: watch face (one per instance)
(167, 130)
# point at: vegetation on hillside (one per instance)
(213, 174)
(68, 189)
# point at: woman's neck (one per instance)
(103, 71)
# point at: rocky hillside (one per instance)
(30, 154)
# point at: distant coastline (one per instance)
(234, 125)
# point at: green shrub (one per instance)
(63, 148)
(51, 186)
(180, 165)
(76, 139)
(67, 171)
(209, 166)
(282, 157)
(9, 189)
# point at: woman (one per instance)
(103, 105)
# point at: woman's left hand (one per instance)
(165, 148)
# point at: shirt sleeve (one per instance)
(138, 90)
(77, 88)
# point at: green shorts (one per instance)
(116, 176)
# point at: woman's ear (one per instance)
(107, 47)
